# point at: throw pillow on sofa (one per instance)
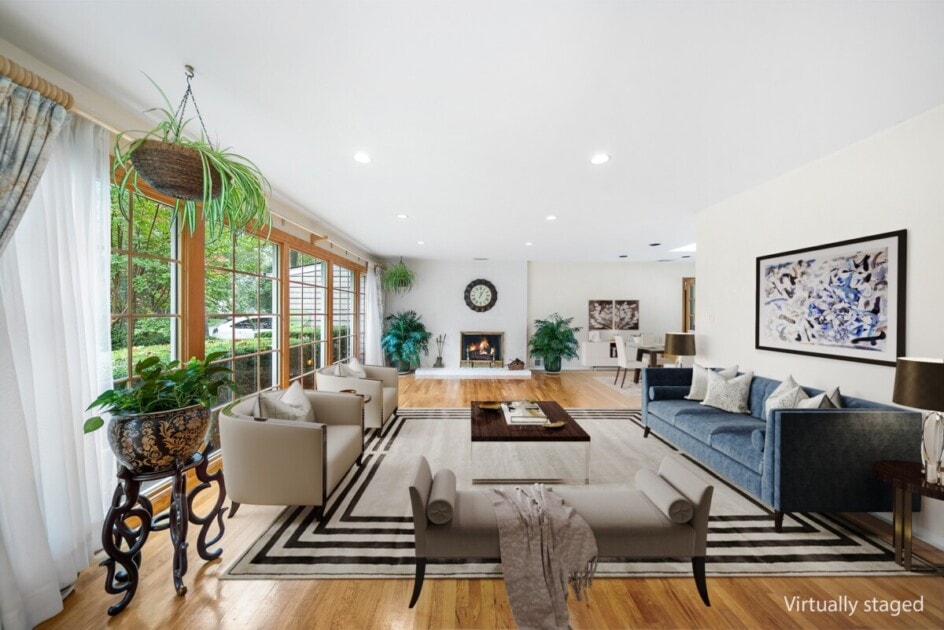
(788, 395)
(729, 394)
(289, 404)
(700, 380)
(819, 401)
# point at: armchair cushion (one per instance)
(442, 497)
(670, 501)
(289, 404)
(356, 369)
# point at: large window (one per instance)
(242, 308)
(145, 271)
(361, 315)
(343, 314)
(308, 314)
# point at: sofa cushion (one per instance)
(758, 438)
(739, 447)
(729, 394)
(288, 404)
(667, 410)
(702, 425)
(700, 380)
(787, 395)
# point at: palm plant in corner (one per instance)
(554, 339)
(405, 337)
(228, 189)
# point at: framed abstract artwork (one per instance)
(842, 300)
(626, 315)
(601, 315)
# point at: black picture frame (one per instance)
(843, 300)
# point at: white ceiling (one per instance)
(481, 117)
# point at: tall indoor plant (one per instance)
(226, 189)
(163, 412)
(554, 339)
(404, 338)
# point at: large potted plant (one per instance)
(554, 339)
(226, 188)
(404, 338)
(162, 413)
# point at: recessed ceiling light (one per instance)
(480, 258)
(654, 244)
(529, 244)
(361, 158)
(420, 242)
(624, 256)
(686, 256)
(403, 216)
(551, 217)
(600, 158)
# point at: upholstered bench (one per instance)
(666, 516)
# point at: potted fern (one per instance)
(162, 414)
(228, 189)
(404, 338)
(554, 339)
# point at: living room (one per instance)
(782, 128)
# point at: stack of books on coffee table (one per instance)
(523, 412)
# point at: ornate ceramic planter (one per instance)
(150, 442)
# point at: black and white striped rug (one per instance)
(367, 531)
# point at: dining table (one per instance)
(653, 350)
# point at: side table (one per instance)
(907, 479)
(128, 503)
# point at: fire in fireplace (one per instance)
(479, 348)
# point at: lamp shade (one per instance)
(919, 383)
(680, 344)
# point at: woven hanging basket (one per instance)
(172, 169)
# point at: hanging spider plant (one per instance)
(398, 278)
(228, 189)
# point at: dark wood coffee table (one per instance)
(490, 432)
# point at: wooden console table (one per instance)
(907, 479)
(122, 540)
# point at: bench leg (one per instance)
(778, 521)
(319, 512)
(418, 580)
(645, 433)
(232, 510)
(698, 569)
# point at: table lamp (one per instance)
(681, 345)
(919, 383)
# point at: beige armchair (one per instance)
(290, 462)
(381, 384)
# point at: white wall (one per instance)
(439, 297)
(894, 180)
(566, 288)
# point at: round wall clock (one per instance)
(480, 295)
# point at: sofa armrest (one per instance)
(333, 408)
(275, 462)
(821, 459)
(668, 392)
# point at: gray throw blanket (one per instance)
(544, 546)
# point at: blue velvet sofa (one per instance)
(795, 460)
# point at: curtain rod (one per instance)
(32, 81)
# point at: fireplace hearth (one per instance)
(481, 349)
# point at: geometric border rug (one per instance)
(367, 530)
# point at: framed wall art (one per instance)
(626, 315)
(601, 315)
(843, 300)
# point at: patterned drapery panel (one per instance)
(29, 126)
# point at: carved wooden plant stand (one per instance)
(122, 541)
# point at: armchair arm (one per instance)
(276, 462)
(388, 375)
(333, 408)
(821, 459)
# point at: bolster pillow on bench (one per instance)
(442, 497)
(665, 497)
(668, 392)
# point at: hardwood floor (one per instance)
(613, 603)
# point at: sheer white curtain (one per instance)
(55, 358)
(373, 317)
